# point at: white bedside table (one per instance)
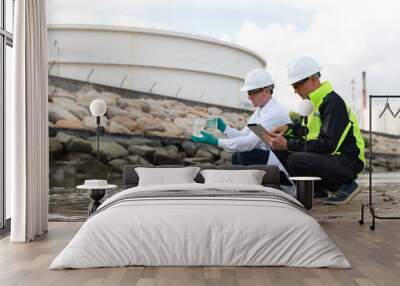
(96, 193)
(305, 190)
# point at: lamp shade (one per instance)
(98, 107)
(305, 107)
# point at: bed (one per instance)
(201, 224)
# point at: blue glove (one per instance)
(207, 138)
(221, 125)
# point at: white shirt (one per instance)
(270, 115)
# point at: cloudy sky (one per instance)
(346, 37)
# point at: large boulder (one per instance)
(196, 113)
(135, 103)
(144, 151)
(57, 112)
(168, 103)
(129, 102)
(126, 142)
(155, 142)
(185, 125)
(145, 106)
(109, 150)
(214, 111)
(87, 164)
(189, 148)
(51, 90)
(78, 145)
(69, 124)
(64, 138)
(125, 121)
(202, 153)
(151, 124)
(160, 114)
(172, 129)
(76, 156)
(211, 149)
(226, 156)
(117, 164)
(173, 114)
(59, 91)
(85, 98)
(116, 111)
(90, 122)
(70, 105)
(172, 148)
(167, 157)
(116, 128)
(55, 148)
(135, 112)
(137, 160)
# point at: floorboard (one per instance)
(375, 257)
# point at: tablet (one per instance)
(259, 130)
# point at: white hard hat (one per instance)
(257, 78)
(301, 68)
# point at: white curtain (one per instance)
(27, 124)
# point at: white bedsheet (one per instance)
(200, 231)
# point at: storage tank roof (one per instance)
(157, 32)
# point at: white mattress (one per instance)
(200, 231)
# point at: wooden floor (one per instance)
(375, 256)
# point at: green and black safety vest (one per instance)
(332, 127)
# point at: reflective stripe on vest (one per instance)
(314, 122)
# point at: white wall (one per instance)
(199, 68)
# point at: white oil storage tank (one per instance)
(152, 61)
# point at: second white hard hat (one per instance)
(301, 68)
(257, 78)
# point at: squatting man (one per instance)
(335, 146)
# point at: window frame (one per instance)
(6, 39)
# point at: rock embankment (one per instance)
(135, 131)
(131, 116)
(74, 153)
(385, 152)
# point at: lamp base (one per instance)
(96, 195)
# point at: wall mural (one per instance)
(137, 128)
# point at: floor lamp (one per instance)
(305, 108)
(97, 188)
(98, 108)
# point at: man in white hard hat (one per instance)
(335, 147)
(248, 147)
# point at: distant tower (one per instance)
(364, 97)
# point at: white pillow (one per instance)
(248, 177)
(166, 176)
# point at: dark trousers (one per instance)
(333, 170)
(253, 157)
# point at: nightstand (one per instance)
(97, 190)
(305, 190)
